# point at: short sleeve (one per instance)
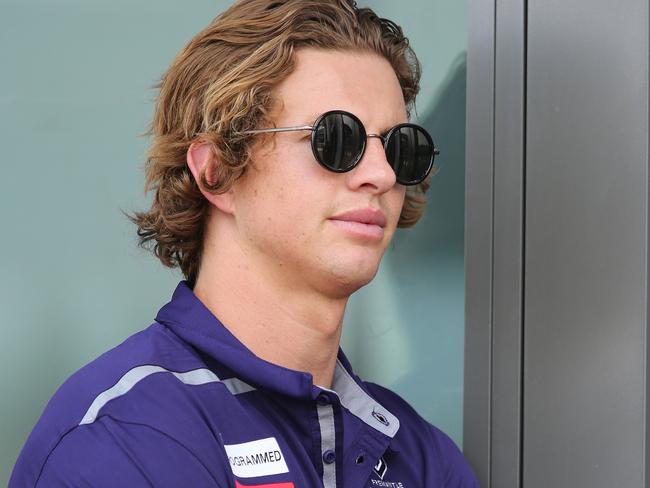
(109, 453)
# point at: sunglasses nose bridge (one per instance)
(384, 141)
(376, 166)
(381, 138)
(378, 136)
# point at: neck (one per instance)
(270, 312)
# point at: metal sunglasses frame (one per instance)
(384, 139)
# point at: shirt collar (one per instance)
(191, 320)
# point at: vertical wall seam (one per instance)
(645, 480)
(522, 345)
(492, 217)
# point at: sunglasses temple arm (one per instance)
(278, 129)
(436, 151)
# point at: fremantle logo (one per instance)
(388, 484)
(381, 468)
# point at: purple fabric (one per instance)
(170, 429)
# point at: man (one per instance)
(281, 159)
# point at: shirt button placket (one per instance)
(323, 400)
(329, 456)
(328, 439)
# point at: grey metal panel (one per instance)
(509, 110)
(478, 237)
(586, 255)
(495, 156)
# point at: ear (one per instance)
(199, 156)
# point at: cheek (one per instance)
(289, 196)
(397, 199)
(281, 213)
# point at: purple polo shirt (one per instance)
(184, 403)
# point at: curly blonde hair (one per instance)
(222, 83)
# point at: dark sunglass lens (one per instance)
(410, 152)
(338, 141)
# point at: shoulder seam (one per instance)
(165, 434)
(47, 458)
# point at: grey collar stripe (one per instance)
(327, 443)
(237, 386)
(134, 376)
(362, 405)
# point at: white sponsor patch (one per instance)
(256, 458)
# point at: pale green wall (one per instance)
(74, 97)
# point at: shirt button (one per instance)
(322, 399)
(361, 458)
(329, 456)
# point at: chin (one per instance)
(344, 273)
(349, 281)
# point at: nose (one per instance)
(373, 173)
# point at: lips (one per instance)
(370, 216)
(365, 223)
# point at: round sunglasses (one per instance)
(338, 141)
